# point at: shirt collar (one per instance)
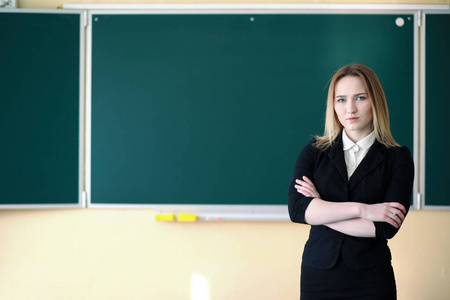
(365, 143)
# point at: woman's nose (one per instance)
(351, 107)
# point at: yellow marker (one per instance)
(165, 217)
(187, 217)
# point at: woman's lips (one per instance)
(352, 119)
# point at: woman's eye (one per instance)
(340, 100)
(361, 98)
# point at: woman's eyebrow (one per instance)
(343, 96)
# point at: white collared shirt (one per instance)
(354, 153)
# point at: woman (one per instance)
(353, 186)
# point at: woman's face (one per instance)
(353, 107)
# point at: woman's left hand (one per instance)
(306, 187)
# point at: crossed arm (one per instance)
(352, 218)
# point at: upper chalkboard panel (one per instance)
(437, 123)
(40, 59)
(196, 109)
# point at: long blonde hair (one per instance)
(377, 99)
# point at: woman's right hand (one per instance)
(389, 212)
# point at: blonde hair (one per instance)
(377, 99)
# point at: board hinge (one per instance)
(419, 18)
(419, 201)
(86, 19)
(84, 199)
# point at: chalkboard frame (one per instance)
(81, 203)
(233, 212)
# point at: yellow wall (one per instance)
(125, 254)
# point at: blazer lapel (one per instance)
(373, 158)
(336, 155)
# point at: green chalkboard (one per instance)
(437, 123)
(40, 108)
(196, 109)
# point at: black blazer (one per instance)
(384, 175)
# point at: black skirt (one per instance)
(341, 282)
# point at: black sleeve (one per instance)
(399, 188)
(297, 203)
